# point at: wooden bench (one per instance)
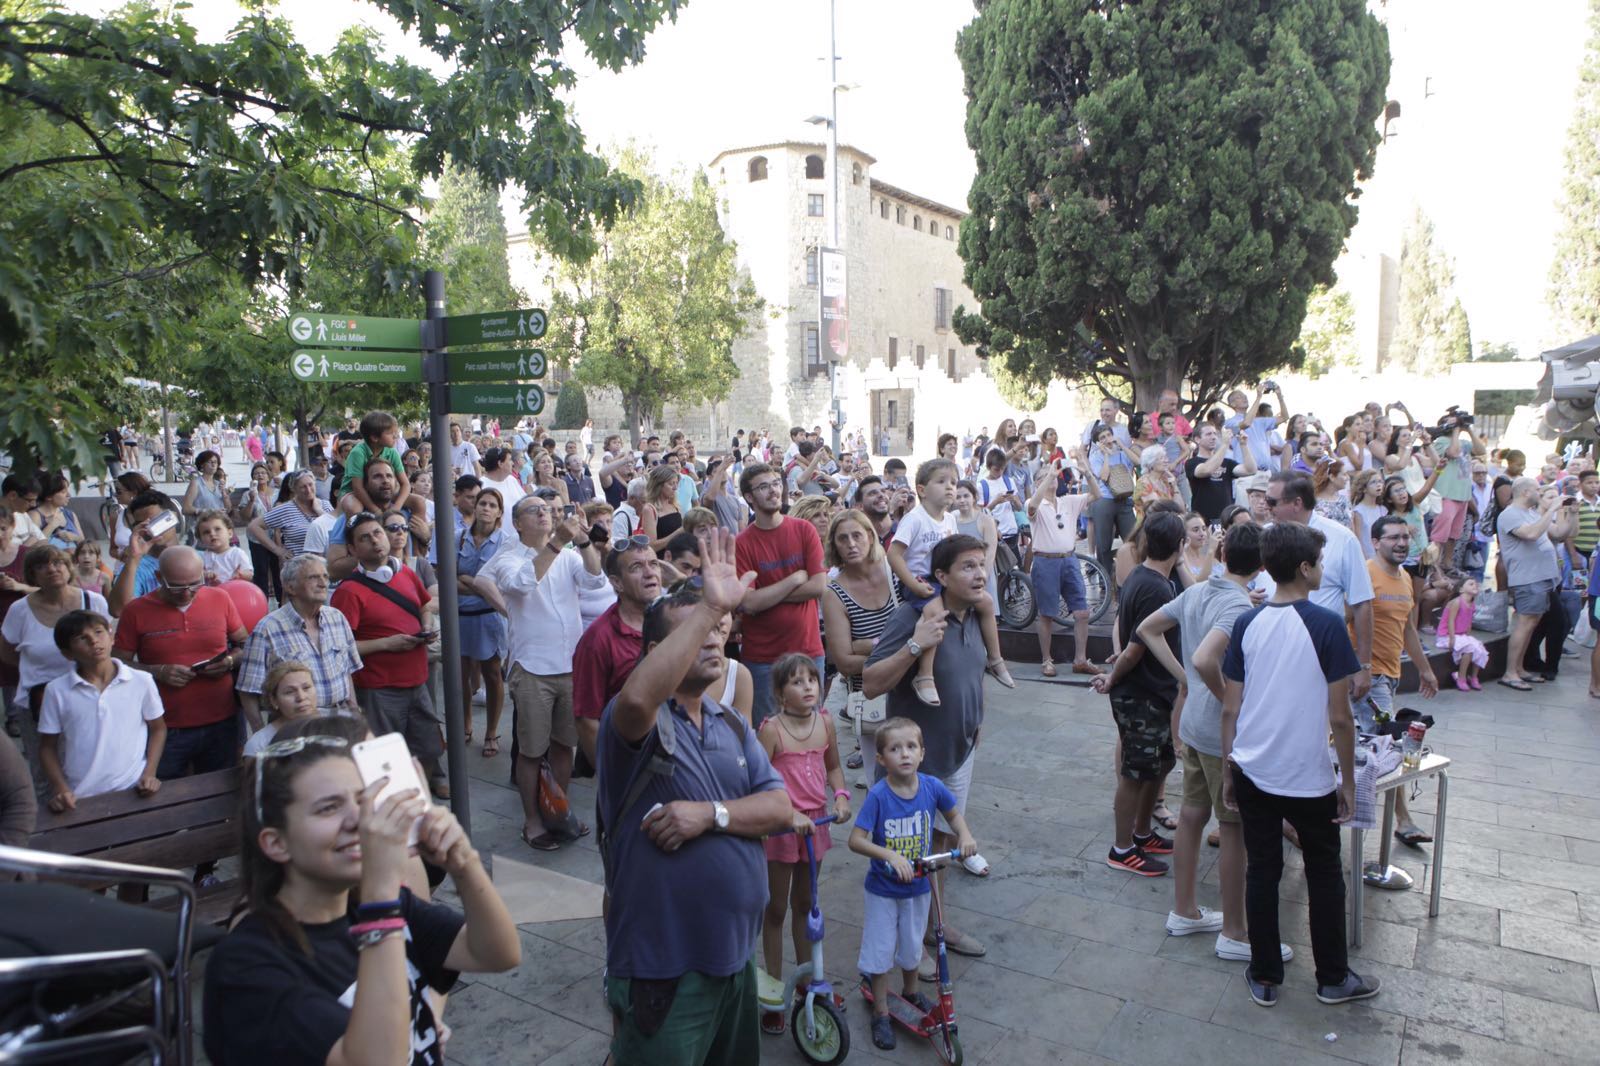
(190, 821)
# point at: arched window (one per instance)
(949, 233)
(814, 166)
(916, 223)
(758, 168)
(855, 173)
(900, 214)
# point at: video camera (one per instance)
(1454, 418)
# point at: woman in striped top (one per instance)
(863, 594)
(284, 527)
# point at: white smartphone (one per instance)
(161, 523)
(388, 756)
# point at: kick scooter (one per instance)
(938, 1024)
(817, 1020)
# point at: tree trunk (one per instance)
(1151, 379)
(632, 406)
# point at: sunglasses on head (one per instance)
(279, 749)
(622, 544)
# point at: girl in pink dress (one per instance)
(804, 749)
(1455, 636)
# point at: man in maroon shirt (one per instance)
(610, 648)
(382, 600)
(779, 614)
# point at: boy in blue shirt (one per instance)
(895, 826)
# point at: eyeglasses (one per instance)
(1273, 501)
(638, 540)
(771, 485)
(280, 749)
(399, 527)
(193, 586)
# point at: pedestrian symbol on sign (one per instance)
(522, 365)
(324, 364)
(522, 326)
(322, 331)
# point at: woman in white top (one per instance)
(498, 475)
(1197, 558)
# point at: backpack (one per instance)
(659, 758)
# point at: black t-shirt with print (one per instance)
(1211, 495)
(267, 1003)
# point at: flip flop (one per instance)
(1412, 837)
(1511, 682)
(542, 843)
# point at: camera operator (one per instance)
(1454, 485)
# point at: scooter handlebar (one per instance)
(936, 860)
(826, 819)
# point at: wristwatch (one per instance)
(719, 816)
(914, 648)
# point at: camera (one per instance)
(1455, 417)
(1269, 386)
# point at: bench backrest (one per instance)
(189, 821)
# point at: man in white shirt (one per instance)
(464, 457)
(535, 584)
(1252, 428)
(1110, 412)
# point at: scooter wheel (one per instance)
(947, 1046)
(830, 1042)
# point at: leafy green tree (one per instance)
(1456, 344)
(1499, 352)
(131, 151)
(1575, 272)
(1423, 315)
(465, 236)
(572, 407)
(655, 313)
(1328, 334)
(1024, 391)
(1173, 178)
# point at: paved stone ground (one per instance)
(1079, 968)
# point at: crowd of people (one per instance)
(693, 629)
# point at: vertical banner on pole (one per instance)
(834, 313)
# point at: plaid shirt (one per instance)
(282, 636)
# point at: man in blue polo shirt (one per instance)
(686, 794)
(137, 575)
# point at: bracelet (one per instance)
(378, 910)
(841, 792)
(379, 925)
(377, 936)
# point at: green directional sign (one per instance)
(512, 365)
(520, 325)
(496, 399)
(320, 364)
(340, 330)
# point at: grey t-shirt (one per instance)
(1214, 605)
(950, 729)
(1527, 561)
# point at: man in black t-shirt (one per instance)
(1142, 694)
(1212, 474)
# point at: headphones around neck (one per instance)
(383, 574)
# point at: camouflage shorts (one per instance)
(1145, 728)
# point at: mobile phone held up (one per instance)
(388, 756)
(161, 523)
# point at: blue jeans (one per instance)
(200, 749)
(765, 704)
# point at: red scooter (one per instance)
(938, 1024)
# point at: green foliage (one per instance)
(1501, 352)
(572, 407)
(1328, 334)
(1575, 271)
(1456, 344)
(465, 236)
(654, 314)
(1175, 178)
(142, 169)
(1021, 392)
(1425, 339)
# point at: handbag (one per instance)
(1119, 479)
(1490, 612)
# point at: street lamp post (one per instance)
(834, 202)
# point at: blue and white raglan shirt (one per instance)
(1286, 655)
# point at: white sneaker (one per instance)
(1239, 950)
(1210, 921)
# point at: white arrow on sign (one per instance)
(535, 396)
(303, 366)
(300, 328)
(536, 323)
(536, 365)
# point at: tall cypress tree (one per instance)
(1575, 273)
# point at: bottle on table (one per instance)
(1411, 750)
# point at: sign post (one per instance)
(331, 365)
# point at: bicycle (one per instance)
(1014, 588)
(185, 468)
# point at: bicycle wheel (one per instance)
(1097, 588)
(830, 1042)
(158, 471)
(1017, 606)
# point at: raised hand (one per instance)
(722, 587)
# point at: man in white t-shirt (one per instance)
(464, 457)
(1056, 572)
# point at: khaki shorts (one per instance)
(1202, 783)
(542, 706)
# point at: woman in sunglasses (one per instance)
(334, 958)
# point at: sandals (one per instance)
(773, 1023)
(1412, 837)
(1516, 683)
(546, 842)
(926, 690)
(1047, 668)
(1164, 816)
(491, 746)
(997, 668)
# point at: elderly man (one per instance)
(1110, 414)
(535, 584)
(383, 599)
(685, 795)
(1169, 404)
(1529, 530)
(189, 637)
(304, 629)
(138, 574)
(609, 649)
(580, 486)
(625, 519)
(1252, 427)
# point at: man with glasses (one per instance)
(189, 637)
(138, 574)
(780, 612)
(1346, 587)
(535, 583)
(610, 648)
(304, 629)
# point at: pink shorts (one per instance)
(1449, 522)
(787, 847)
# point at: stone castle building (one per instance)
(907, 373)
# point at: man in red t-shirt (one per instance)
(779, 615)
(610, 648)
(189, 638)
(383, 600)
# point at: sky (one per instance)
(1486, 91)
